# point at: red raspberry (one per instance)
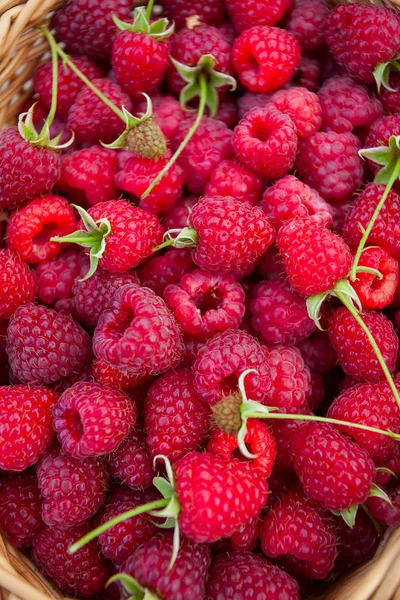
(20, 508)
(131, 463)
(283, 432)
(104, 373)
(302, 106)
(251, 100)
(91, 120)
(68, 84)
(265, 141)
(355, 354)
(228, 30)
(245, 538)
(208, 11)
(92, 419)
(136, 174)
(30, 228)
(391, 98)
(230, 178)
(56, 277)
(329, 162)
(138, 333)
(301, 535)
(161, 271)
(307, 250)
(223, 359)
(251, 577)
(347, 105)
(290, 379)
(316, 392)
(385, 513)
(178, 216)
(87, 27)
(332, 469)
(83, 572)
(370, 404)
(356, 544)
(187, 578)
(87, 176)
(340, 210)
(25, 170)
(318, 352)
(250, 13)
(386, 229)
(373, 292)
(265, 58)
(167, 112)
(72, 489)
(227, 111)
(308, 73)
(18, 284)
(307, 22)
(379, 135)
(360, 37)
(289, 197)
(45, 346)
(176, 421)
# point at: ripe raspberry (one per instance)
(20, 508)
(265, 141)
(289, 197)
(223, 359)
(332, 469)
(360, 37)
(318, 352)
(355, 354)
(373, 292)
(30, 228)
(25, 170)
(25, 425)
(18, 283)
(227, 111)
(138, 333)
(391, 98)
(250, 100)
(250, 13)
(72, 489)
(307, 250)
(265, 58)
(356, 544)
(302, 106)
(307, 22)
(230, 178)
(178, 216)
(283, 432)
(380, 132)
(122, 380)
(308, 73)
(385, 513)
(370, 404)
(131, 463)
(91, 120)
(291, 379)
(83, 572)
(161, 271)
(187, 578)
(45, 346)
(250, 576)
(167, 111)
(176, 421)
(301, 534)
(135, 175)
(208, 11)
(228, 30)
(56, 277)
(329, 163)
(87, 27)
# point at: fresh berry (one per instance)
(250, 13)
(379, 134)
(244, 538)
(391, 98)
(230, 178)
(251, 100)
(18, 283)
(162, 271)
(227, 111)
(385, 513)
(283, 432)
(178, 216)
(302, 106)
(208, 11)
(290, 379)
(20, 508)
(307, 22)
(122, 380)
(374, 292)
(317, 352)
(55, 279)
(167, 111)
(308, 73)
(131, 463)
(356, 544)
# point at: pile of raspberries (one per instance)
(137, 329)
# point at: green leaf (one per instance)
(163, 486)
(314, 304)
(381, 76)
(348, 514)
(387, 156)
(377, 492)
(386, 470)
(121, 24)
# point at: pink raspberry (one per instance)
(56, 277)
(251, 100)
(318, 352)
(18, 283)
(20, 508)
(307, 22)
(178, 216)
(291, 379)
(230, 178)
(162, 271)
(302, 106)
(249, 13)
(131, 463)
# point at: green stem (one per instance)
(149, 9)
(189, 135)
(122, 517)
(361, 245)
(343, 298)
(54, 92)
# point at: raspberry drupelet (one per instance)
(18, 283)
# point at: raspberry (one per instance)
(208, 11)
(289, 197)
(265, 58)
(131, 463)
(44, 346)
(18, 283)
(332, 469)
(177, 217)
(230, 178)
(356, 544)
(56, 277)
(384, 512)
(250, 13)
(30, 229)
(250, 100)
(329, 163)
(290, 379)
(223, 359)
(227, 111)
(92, 419)
(91, 120)
(83, 572)
(302, 106)
(265, 141)
(373, 292)
(138, 333)
(278, 314)
(391, 98)
(176, 421)
(347, 105)
(307, 250)
(308, 73)
(317, 352)
(20, 508)
(380, 132)
(301, 535)
(340, 210)
(161, 271)
(228, 30)
(355, 354)
(87, 27)
(122, 380)
(250, 576)
(68, 84)
(72, 489)
(307, 22)
(87, 176)
(360, 37)
(283, 432)
(370, 404)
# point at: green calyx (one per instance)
(94, 237)
(158, 30)
(382, 74)
(133, 587)
(42, 139)
(226, 413)
(342, 286)
(185, 238)
(348, 514)
(385, 156)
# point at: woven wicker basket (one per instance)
(21, 49)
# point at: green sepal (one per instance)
(386, 156)
(386, 470)
(132, 586)
(314, 304)
(382, 73)
(158, 30)
(28, 132)
(131, 121)
(343, 286)
(377, 492)
(186, 238)
(348, 514)
(370, 271)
